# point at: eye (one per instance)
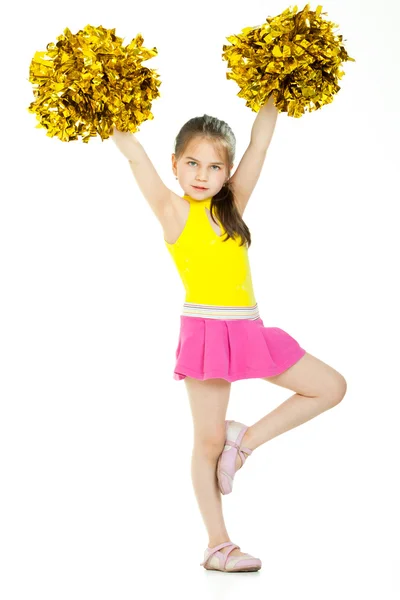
(192, 162)
(217, 166)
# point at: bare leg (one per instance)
(318, 387)
(208, 401)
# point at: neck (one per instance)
(188, 197)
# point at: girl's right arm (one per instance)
(152, 187)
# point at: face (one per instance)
(201, 165)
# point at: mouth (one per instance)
(196, 187)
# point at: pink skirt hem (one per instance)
(233, 350)
(248, 374)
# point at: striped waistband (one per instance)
(211, 311)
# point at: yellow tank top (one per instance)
(214, 272)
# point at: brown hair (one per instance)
(219, 133)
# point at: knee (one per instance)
(337, 389)
(210, 443)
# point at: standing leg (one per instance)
(208, 402)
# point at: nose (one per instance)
(201, 177)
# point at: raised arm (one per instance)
(157, 194)
(248, 171)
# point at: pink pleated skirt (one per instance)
(232, 349)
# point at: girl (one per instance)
(222, 336)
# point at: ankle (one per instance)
(248, 439)
(217, 542)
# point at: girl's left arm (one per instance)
(248, 171)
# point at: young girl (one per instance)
(222, 336)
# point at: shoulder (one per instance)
(174, 216)
(178, 201)
(177, 207)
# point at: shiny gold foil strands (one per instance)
(88, 82)
(296, 56)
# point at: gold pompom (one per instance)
(88, 82)
(294, 56)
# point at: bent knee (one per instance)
(336, 389)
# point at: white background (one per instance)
(95, 435)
